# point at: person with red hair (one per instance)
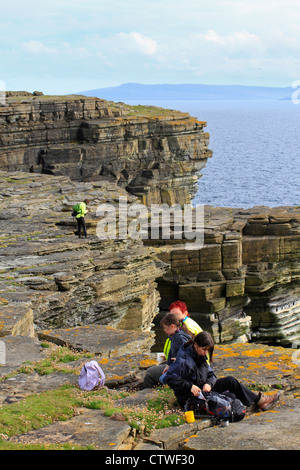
(189, 325)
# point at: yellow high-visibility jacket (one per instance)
(80, 209)
(191, 325)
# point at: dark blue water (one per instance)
(256, 151)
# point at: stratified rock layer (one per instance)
(94, 295)
(156, 157)
(245, 278)
(50, 277)
(242, 283)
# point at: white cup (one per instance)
(160, 357)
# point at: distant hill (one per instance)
(136, 91)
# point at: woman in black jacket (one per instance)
(191, 373)
(171, 326)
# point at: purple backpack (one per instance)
(91, 376)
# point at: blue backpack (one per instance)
(220, 406)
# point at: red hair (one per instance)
(178, 304)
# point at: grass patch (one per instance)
(37, 411)
(165, 400)
(160, 412)
(56, 361)
(143, 110)
(4, 445)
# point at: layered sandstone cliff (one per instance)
(156, 156)
(51, 278)
(245, 278)
(243, 283)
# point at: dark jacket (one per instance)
(188, 369)
(177, 340)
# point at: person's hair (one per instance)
(170, 319)
(183, 308)
(178, 304)
(87, 201)
(204, 340)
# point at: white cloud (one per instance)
(136, 42)
(121, 46)
(158, 41)
(147, 45)
(37, 47)
(204, 51)
(239, 38)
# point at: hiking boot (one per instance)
(267, 401)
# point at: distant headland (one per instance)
(136, 91)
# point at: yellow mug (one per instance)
(189, 416)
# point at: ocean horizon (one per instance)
(256, 147)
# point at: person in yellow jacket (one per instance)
(189, 329)
(179, 308)
(80, 210)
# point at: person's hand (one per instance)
(195, 390)
(206, 388)
(165, 369)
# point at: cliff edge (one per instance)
(100, 297)
(154, 153)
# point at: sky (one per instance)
(67, 46)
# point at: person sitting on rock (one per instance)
(188, 325)
(81, 210)
(171, 326)
(191, 373)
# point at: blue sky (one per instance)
(68, 46)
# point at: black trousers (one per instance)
(81, 225)
(241, 392)
(151, 378)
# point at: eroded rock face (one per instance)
(158, 158)
(50, 277)
(245, 279)
(271, 251)
(243, 283)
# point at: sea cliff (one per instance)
(65, 300)
(245, 278)
(154, 153)
(243, 283)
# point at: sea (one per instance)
(256, 151)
